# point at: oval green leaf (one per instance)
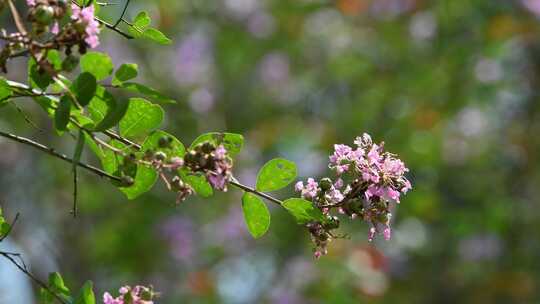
(276, 174)
(256, 215)
(84, 88)
(61, 115)
(98, 64)
(198, 182)
(141, 117)
(303, 210)
(86, 294)
(125, 72)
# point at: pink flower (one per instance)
(387, 232)
(55, 28)
(31, 2)
(85, 16)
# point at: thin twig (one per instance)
(122, 15)
(10, 227)
(17, 18)
(24, 269)
(237, 184)
(52, 152)
(26, 118)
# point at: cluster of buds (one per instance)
(213, 161)
(168, 164)
(83, 29)
(375, 180)
(128, 295)
(45, 15)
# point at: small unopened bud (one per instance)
(207, 147)
(325, 184)
(127, 181)
(165, 141)
(177, 162)
(160, 156)
(44, 14)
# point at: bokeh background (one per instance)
(449, 85)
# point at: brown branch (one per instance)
(17, 18)
(52, 152)
(237, 184)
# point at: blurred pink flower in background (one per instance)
(532, 5)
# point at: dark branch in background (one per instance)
(52, 152)
(21, 265)
(121, 15)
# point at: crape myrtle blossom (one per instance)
(84, 17)
(128, 295)
(375, 178)
(213, 161)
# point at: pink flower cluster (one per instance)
(128, 295)
(85, 17)
(221, 173)
(375, 179)
(213, 161)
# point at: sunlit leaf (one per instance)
(141, 117)
(303, 210)
(147, 91)
(86, 294)
(276, 174)
(98, 64)
(125, 72)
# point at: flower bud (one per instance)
(127, 181)
(160, 156)
(164, 141)
(44, 14)
(207, 147)
(325, 184)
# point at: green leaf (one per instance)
(231, 141)
(198, 182)
(141, 117)
(5, 90)
(156, 36)
(100, 103)
(53, 57)
(126, 72)
(144, 180)
(147, 92)
(86, 294)
(36, 78)
(276, 174)
(142, 20)
(116, 109)
(84, 88)
(56, 284)
(62, 113)
(140, 23)
(98, 64)
(256, 215)
(4, 227)
(174, 148)
(303, 210)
